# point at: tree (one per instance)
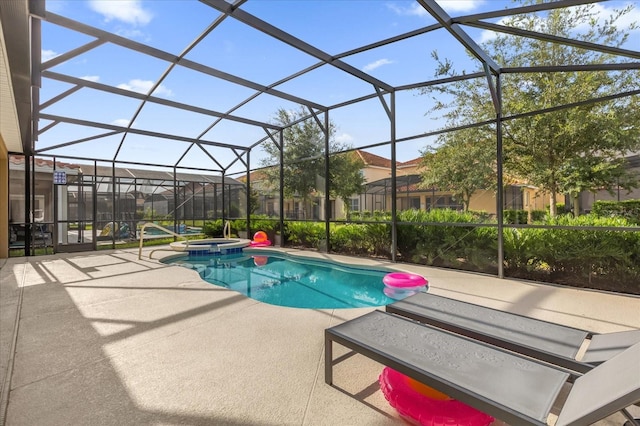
(563, 150)
(347, 179)
(463, 164)
(254, 201)
(304, 161)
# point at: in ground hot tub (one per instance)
(209, 246)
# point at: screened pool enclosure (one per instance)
(326, 123)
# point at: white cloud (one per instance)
(344, 138)
(414, 10)
(47, 55)
(131, 34)
(488, 35)
(600, 14)
(449, 6)
(143, 86)
(630, 18)
(93, 78)
(623, 23)
(128, 11)
(373, 65)
(123, 122)
(460, 5)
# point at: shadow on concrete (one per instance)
(62, 374)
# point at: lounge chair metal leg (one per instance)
(632, 421)
(328, 359)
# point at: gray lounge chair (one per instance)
(503, 384)
(550, 342)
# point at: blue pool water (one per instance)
(283, 280)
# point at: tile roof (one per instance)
(373, 160)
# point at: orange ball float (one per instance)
(260, 237)
(427, 391)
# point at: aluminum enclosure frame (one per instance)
(380, 89)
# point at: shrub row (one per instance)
(602, 259)
(629, 209)
(522, 216)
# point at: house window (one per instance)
(354, 204)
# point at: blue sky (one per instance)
(334, 26)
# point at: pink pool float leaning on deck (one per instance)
(423, 405)
(260, 239)
(399, 285)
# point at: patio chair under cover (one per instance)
(550, 342)
(505, 385)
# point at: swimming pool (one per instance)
(280, 279)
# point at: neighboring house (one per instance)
(587, 198)
(377, 195)
(410, 195)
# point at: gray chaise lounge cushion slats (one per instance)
(605, 346)
(493, 380)
(610, 387)
(554, 343)
(508, 386)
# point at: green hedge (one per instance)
(462, 247)
(600, 259)
(629, 210)
(365, 216)
(522, 216)
(213, 228)
(603, 259)
(305, 234)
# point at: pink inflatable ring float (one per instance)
(404, 280)
(428, 408)
(260, 239)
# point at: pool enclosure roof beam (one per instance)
(48, 126)
(154, 99)
(459, 34)
(570, 68)
(59, 97)
(72, 54)
(211, 157)
(255, 95)
(555, 39)
(248, 19)
(245, 14)
(62, 145)
(134, 130)
(168, 57)
(164, 75)
(445, 80)
(538, 7)
(390, 40)
(573, 105)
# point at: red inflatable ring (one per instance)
(404, 279)
(425, 410)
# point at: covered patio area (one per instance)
(105, 338)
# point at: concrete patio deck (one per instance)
(103, 338)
